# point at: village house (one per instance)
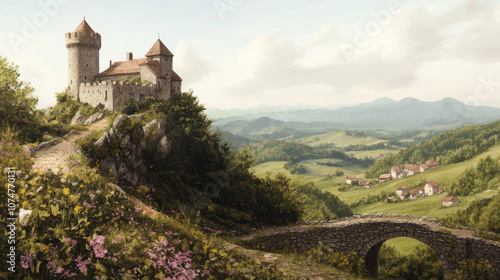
(430, 188)
(432, 164)
(403, 170)
(368, 185)
(386, 177)
(416, 192)
(402, 192)
(351, 180)
(424, 167)
(449, 201)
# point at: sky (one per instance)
(251, 53)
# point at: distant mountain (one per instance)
(383, 113)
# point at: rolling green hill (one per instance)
(340, 138)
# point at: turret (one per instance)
(160, 53)
(83, 57)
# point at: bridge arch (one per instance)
(370, 252)
(366, 234)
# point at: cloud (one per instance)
(189, 64)
(392, 62)
(479, 41)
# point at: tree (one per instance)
(17, 104)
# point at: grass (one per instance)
(339, 138)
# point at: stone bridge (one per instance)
(365, 235)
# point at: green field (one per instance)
(430, 206)
(320, 175)
(339, 138)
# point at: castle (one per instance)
(87, 85)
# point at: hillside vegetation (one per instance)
(453, 146)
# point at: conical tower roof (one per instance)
(84, 27)
(159, 49)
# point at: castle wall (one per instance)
(176, 86)
(96, 93)
(164, 87)
(147, 74)
(123, 92)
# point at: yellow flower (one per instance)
(205, 247)
(73, 198)
(22, 190)
(223, 255)
(32, 182)
(214, 250)
(77, 209)
(66, 191)
(81, 185)
(24, 204)
(36, 170)
(161, 237)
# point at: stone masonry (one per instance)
(365, 235)
(87, 85)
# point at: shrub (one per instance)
(348, 262)
(473, 269)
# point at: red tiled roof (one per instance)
(417, 190)
(432, 184)
(431, 163)
(84, 27)
(449, 198)
(385, 176)
(397, 168)
(402, 188)
(124, 67)
(175, 77)
(439, 191)
(159, 49)
(351, 177)
(424, 166)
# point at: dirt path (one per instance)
(56, 156)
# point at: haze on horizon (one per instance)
(244, 54)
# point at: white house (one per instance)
(351, 180)
(402, 192)
(430, 188)
(449, 201)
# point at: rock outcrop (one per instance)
(120, 151)
(96, 117)
(78, 119)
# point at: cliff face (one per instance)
(120, 151)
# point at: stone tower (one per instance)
(162, 54)
(83, 57)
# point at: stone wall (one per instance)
(123, 92)
(96, 93)
(113, 95)
(366, 234)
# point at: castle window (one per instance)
(105, 95)
(87, 65)
(85, 77)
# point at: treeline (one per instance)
(279, 150)
(319, 205)
(476, 179)
(453, 146)
(361, 147)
